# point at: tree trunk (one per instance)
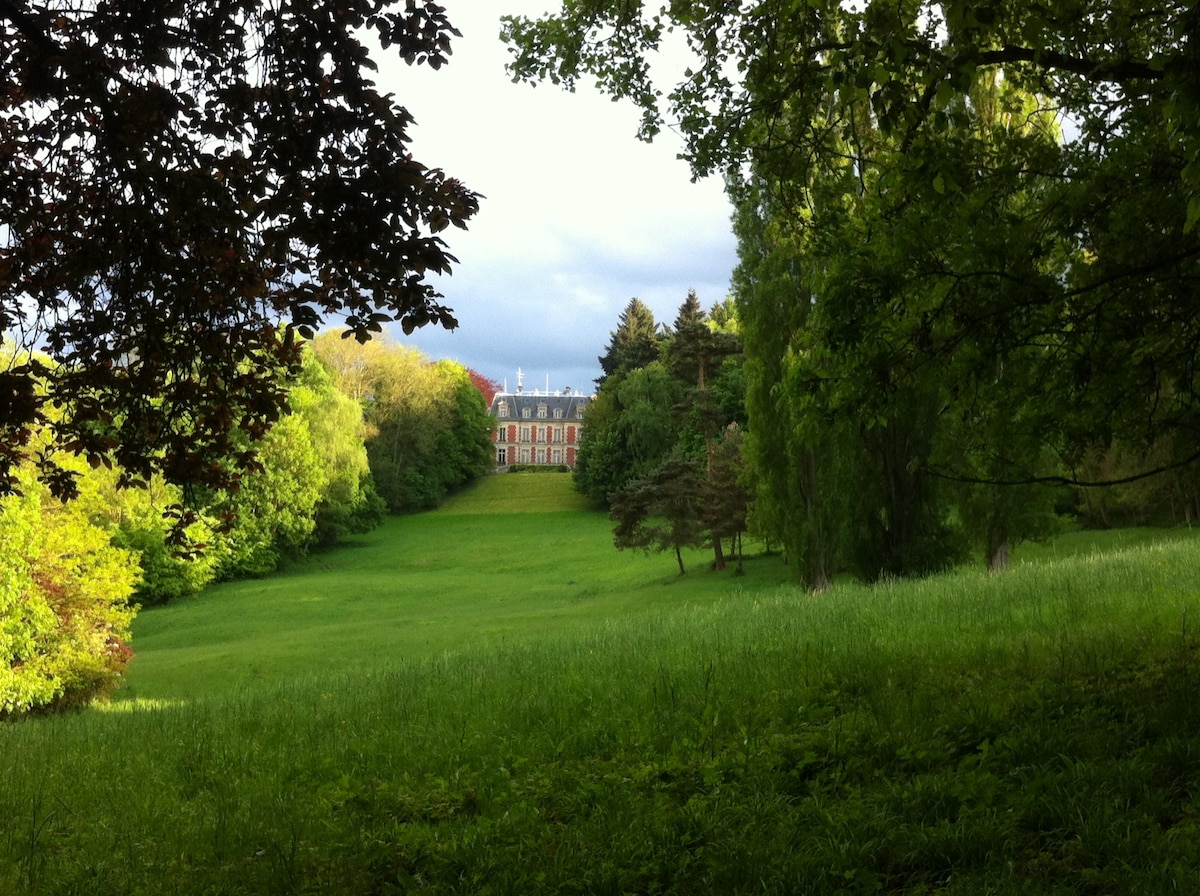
(998, 556)
(718, 554)
(679, 560)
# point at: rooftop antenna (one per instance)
(547, 384)
(520, 380)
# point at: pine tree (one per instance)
(633, 344)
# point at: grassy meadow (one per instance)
(491, 699)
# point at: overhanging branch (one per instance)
(1063, 480)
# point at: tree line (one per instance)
(968, 255)
(676, 449)
(370, 429)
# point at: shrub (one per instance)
(65, 605)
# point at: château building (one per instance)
(537, 427)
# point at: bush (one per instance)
(65, 606)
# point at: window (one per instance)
(524, 455)
(541, 455)
(558, 413)
(556, 456)
(579, 413)
(541, 412)
(502, 457)
(525, 413)
(524, 433)
(502, 409)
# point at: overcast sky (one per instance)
(579, 216)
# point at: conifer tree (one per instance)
(633, 344)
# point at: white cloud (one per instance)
(578, 218)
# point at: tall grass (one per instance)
(1036, 732)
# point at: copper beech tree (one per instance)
(186, 186)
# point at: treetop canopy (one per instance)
(183, 186)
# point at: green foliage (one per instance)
(312, 486)
(600, 459)
(655, 426)
(64, 603)
(940, 292)
(635, 343)
(629, 428)
(348, 503)
(725, 493)
(660, 511)
(274, 510)
(166, 575)
(176, 182)
(1169, 499)
(428, 430)
(465, 446)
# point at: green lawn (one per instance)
(476, 702)
(475, 574)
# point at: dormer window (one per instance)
(558, 413)
(502, 409)
(525, 413)
(541, 412)
(579, 413)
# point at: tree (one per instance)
(64, 602)
(347, 503)
(176, 179)
(464, 449)
(694, 349)
(1009, 257)
(312, 486)
(272, 515)
(725, 495)
(487, 387)
(600, 462)
(633, 344)
(135, 518)
(428, 430)
(628, 430)
(660, 511)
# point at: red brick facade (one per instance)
(541, 428)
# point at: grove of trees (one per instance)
(72, 574)
(661, 439)
(188, 192)
(969, 258)
(428, 426)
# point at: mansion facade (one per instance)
(537, 427)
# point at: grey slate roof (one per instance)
(570, 403)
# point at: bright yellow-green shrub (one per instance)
(64, 604)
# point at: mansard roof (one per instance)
(568, 402)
